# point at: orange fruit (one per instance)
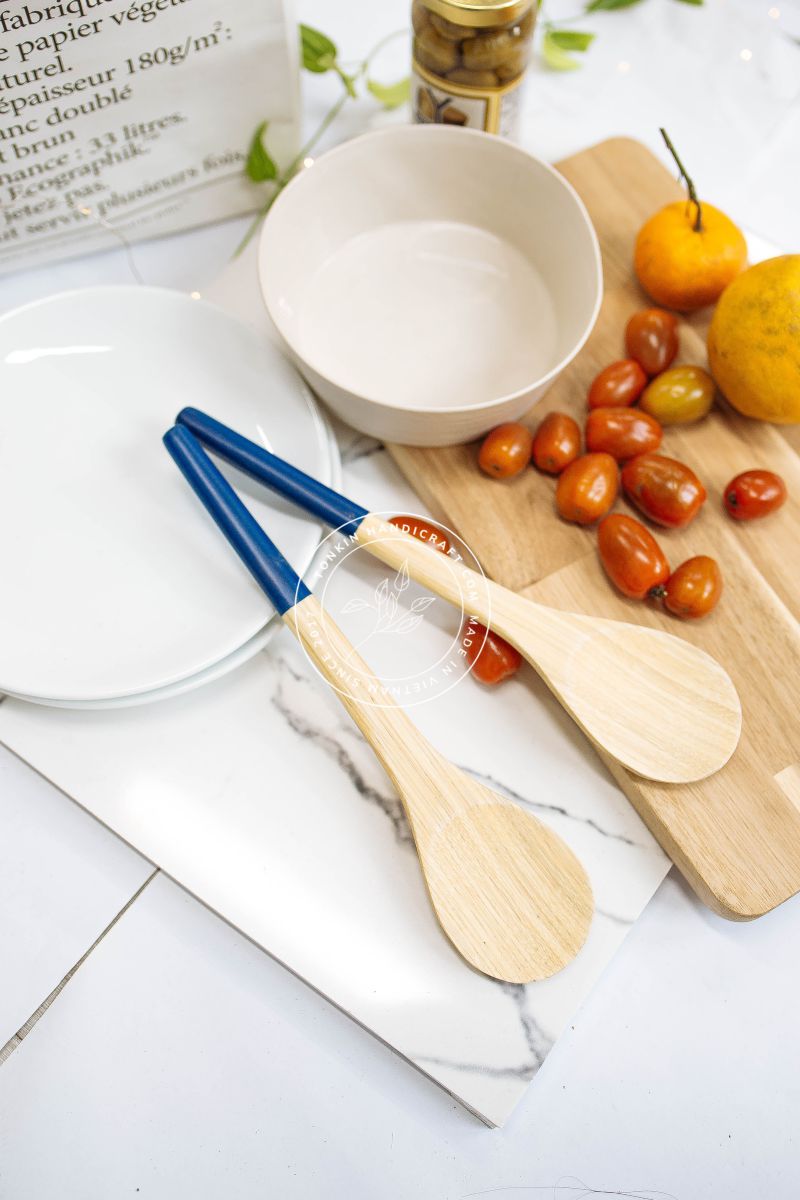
(683, 267)
(754, 341)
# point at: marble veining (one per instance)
(541, 806)
(258, 794)
(336, 748)
(538, 1043)
(291, 700)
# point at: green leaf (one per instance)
(319, 52)
(570, 39)
(556, 58)
(609, 5)
(349, 82)
(390, 95)
(697, 3)
(259, 166)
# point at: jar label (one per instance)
(493, 110)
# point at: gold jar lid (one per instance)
(480, 13)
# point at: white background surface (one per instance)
(180, 1061)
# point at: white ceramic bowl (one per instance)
(430, 282)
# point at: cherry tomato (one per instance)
(651, 337)
(492, 660)
(619, 384)
(631, 556)
(694, 588)
(754, 494)
(679, 395)
(587, 488)
(557, 443)
(666, 490)
(622, 432)
(506, 451)
(425, 530)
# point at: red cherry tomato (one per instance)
(557, 443)
(665, 490)
(622, 432)
(619, 384)
(631, 556)
(425, 530)
(651, 337)
(506, 451)
(587, 488)
(754, 494)
(492, 660)
(694, 588)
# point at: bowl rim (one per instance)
(481, 137)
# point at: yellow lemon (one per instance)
(754, 341)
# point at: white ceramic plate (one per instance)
(114, 581)
(239, 656)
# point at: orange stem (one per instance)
(698, 223)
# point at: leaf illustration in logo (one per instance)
(388, 613)
(381, 592)
(355, 605)
(408, 623)
(401, 578)
(386, 604)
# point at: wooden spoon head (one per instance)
(660, 706)
(510, 895)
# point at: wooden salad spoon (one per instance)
(508, 892)
(660, 706)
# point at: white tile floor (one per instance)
(182, 1062)
(63, 880)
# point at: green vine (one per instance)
(319, 55)
(558, 43)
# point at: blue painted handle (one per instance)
(307, 493)
(262, 558)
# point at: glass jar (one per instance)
(470, 58)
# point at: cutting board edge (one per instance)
(725, 902)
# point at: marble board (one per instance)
(258, 795)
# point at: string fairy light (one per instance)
(85, 211)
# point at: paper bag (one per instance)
(135, 118)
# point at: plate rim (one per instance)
(256, 640)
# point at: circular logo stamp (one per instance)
(407, 645)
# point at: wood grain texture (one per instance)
(508, 892)
(736, 835)
(658, 705)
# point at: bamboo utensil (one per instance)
(735, 835)
(658, 705)
(510, 895)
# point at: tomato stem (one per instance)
(698, 222)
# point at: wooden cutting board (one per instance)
(735, 836)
